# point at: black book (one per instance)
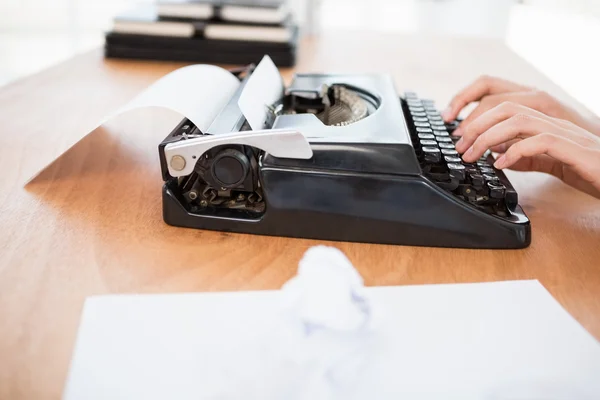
(281, 59)
(198, 44)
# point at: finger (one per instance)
(529, 99)
(540, 163)
(575, 164)
(502, 147)
(546, 164)
(486, 104)
(560, 148)
(519, 126)
(483, 86)
(510, 121)
(488, 119)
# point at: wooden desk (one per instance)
(92, 224)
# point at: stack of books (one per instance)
(237, 32)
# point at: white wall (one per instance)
(589, 7)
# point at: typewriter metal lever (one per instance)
(281, 143)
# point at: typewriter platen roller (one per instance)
(335, 157)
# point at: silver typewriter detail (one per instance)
(335, 105)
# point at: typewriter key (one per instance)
(447, 146)
(451, 159)
(490, 178)
(431, 154)
(497, 190)
(477, 180)
(449, 152)
(438, 132)
(424, 130)
(457, 171)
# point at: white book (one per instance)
(144, 21)
(248, 11)
(259, 15)
(191, 10)
(172, 29)
(248, 33)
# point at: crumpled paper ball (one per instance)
(318, 342)
(327, 292)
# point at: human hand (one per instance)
(491, 92)
(529, 140)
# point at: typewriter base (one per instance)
(398, 210)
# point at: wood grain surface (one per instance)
(91, 223)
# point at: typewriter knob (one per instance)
(230, 168)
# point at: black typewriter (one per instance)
(335, 157)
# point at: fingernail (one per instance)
(459, 144)
(457, 132)
(500, 162)
(446, 114)
(468, 153)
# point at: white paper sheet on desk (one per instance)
(500, 341)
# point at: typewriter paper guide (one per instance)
(264, 88)
(501, 341)
(198, 92)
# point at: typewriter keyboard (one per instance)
(479, 184)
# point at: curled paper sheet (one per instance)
(319, 344)
(199, 93)
(327, 293)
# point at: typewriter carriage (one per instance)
(227, 176)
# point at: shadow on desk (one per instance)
(100, 205)
(107, 188)
(106, 192)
